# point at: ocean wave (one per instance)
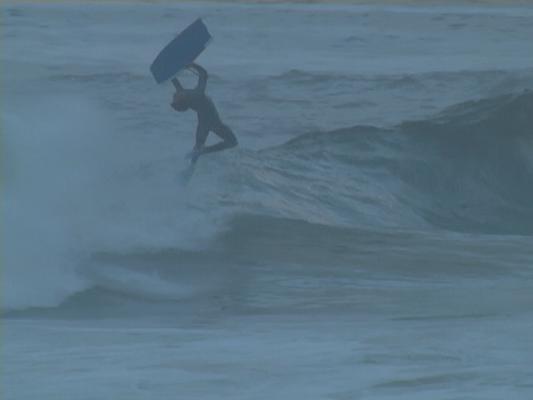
(103, 77)
(467, 169)
(297, 256)
(495, 82)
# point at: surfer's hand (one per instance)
(197, 68)
(193, 70)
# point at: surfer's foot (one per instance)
(193, 155)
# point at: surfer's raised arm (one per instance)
(202, 76)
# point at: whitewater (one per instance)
(370, 238)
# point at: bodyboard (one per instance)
(181, 51)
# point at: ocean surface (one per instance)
(370, 238)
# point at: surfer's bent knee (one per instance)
(232, 141)
(227, 136)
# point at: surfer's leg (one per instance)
(228, 140)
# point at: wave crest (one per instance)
(467, 169)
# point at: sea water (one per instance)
(371, 237)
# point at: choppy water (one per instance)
(371, 237)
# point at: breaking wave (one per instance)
(468, 169)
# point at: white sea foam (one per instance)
(68, 195)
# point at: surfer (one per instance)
(208, 118)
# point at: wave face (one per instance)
(468, 169)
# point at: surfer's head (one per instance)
(180, 102)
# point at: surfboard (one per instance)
(181, 51)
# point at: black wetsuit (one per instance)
(208, 117)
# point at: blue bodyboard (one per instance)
(181, 51)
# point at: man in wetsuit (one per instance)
(208, 118)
